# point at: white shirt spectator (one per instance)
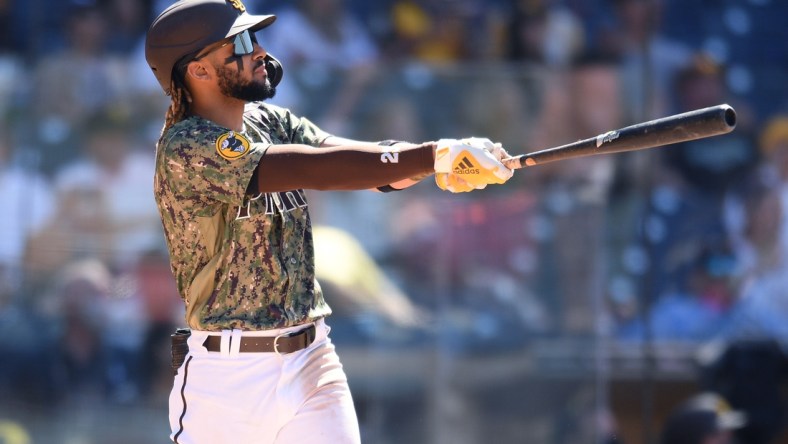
(127, 195)
(27, 203)
(295, 40)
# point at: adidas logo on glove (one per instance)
(465, 167)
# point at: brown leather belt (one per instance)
(268, 344)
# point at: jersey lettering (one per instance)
(290, 200)
(245, 210)
(274, 203)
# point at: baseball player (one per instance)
(229, 181)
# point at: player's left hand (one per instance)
(463, 165)
(454, 183)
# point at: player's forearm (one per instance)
(333, 141)
(404, 183)
(347, 167)
(409, 182)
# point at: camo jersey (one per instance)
(239, 261)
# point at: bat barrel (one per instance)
(699, 123)
(692, 125)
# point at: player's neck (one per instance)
(227, 113)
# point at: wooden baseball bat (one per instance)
(691, 125)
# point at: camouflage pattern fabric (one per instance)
(240, 261)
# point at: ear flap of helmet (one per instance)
(273, 69)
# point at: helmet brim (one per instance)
(251, 22)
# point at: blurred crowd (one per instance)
(688, 243)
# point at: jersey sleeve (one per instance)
(304, 132)
(287, 128)
(206, 165)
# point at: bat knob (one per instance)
(729, 115)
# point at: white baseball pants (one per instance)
(229, 397)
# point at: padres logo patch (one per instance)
(232, 146)
(237, 5)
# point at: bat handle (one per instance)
(517, 162)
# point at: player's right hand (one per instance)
(453, 183)
(469, 164)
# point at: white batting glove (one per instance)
(482, 142)
(472, 160)
(453, 183)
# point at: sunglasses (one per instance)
(243, 44)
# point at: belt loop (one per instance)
(224, 348)
(235, 343)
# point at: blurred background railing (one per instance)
(579, 303)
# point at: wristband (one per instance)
(387, 189)
(388, 142)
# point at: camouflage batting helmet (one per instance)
(188, 26)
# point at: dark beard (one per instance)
(249, 91)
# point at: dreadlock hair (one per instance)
(180, 98)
